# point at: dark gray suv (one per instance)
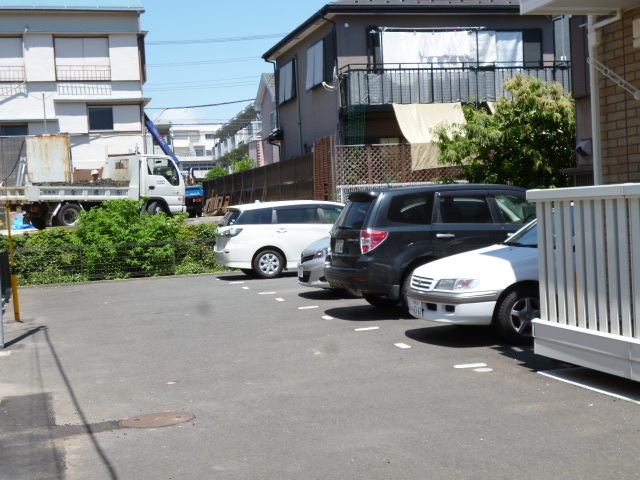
(381, 236)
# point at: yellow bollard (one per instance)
(14, 275)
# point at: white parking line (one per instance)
(365, 329)
(245, 288)
(267, 293)
(5, 354)
(483, 370)
(307, 308)
(279, 299)
(327, 317)
(471, 365)
(235, 283)
(402, 345)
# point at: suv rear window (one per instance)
(354, 214)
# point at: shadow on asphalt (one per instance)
(237, 276)
(367, 313)
(326, 294)
(468, 336)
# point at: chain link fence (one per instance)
(49, 265)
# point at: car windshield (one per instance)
(527, 236)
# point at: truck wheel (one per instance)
(68, 215)
(154, 208)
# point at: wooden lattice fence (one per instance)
(382, 164)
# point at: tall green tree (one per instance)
(527, 140)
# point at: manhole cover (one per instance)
(152, 420)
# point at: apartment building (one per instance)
(74, 67)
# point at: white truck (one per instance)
(42, 183)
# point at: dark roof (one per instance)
(345, 7)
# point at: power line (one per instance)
(216, 40)
(200, 81)
(206, 62)
(200, 106)
(201, 87)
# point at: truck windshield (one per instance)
(165, 168)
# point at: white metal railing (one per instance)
(589, 244)
(83, 72)
(11, 73)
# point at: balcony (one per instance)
(439, 83)
(11, 73)
(82, 73)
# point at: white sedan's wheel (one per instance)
(516, 313)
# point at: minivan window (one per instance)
(331, 213)
(411, 208)
(464, 209)
(353, 215)
(298, 215)
(230, 217)
(259, 216)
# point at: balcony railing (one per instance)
(439, 83)
(10, 73)
(83, 72)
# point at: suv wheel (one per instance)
(268, 264)
(379, 300)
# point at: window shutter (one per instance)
(329, 58)
(580, 83)
(532, 47)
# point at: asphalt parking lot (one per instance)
(285, 383)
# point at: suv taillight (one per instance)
(370, 239)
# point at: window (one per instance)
(515, 209)
(13, 130)
(199, 151)
(412, 208)
(259, 216)
(209, 136)
(82, 58)
(164, 168)
(286, 83)
(331, 214)
(100, 118)
(298, 215)
(315, 65)
(464, 209)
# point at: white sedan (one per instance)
(496, 285)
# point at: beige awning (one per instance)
(417, 120)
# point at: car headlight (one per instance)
(457, 284)
(322, 253)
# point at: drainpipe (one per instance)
(596, 133)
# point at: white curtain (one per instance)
(452, 47)
(315, 65)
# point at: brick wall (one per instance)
(620, 112)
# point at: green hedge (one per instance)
(115, 241)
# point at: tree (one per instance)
(528, 139)
(246, 163)
(216, 172)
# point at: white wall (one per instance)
(127, 118)
(123, 51)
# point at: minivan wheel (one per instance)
(379, 301)
(268, 264)
(515, 314)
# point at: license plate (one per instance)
(339, 246)
(415, 307)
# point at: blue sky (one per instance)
(198, 72)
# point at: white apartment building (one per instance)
(246, 131)
(74, 67)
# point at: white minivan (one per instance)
(266, 238)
